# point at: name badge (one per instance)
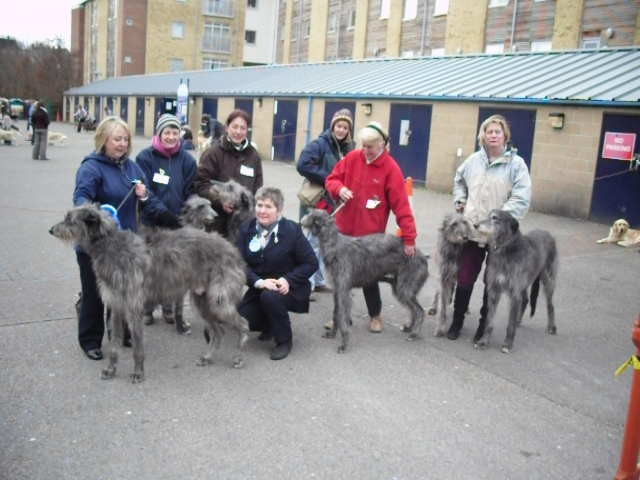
(372, 203)
(246, 171)
(161, 178)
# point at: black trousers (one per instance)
(266, 310)
(372, 299)
(91, 321)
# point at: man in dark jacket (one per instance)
(280, 261)
(40, 121)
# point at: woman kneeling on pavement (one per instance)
(280, 262)
(371, 184)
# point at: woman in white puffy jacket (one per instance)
(494, 177)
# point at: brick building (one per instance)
(318, 30)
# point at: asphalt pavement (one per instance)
(387, 409)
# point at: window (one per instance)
(176, 64)
(407, 54)
(250, 36)
(410, 9)
(127, 59)
(494, 48)
(217, 37)
(590, 43)
(385, 8)
(209, 63)
(221, 8)
(332, 23)
(307, 28)
(252, 3)
(129, 21)
(541, 46)
(441, 7)
(177, 30)
(498, 3)
(437, 52)
(352, 20)
(294, 30)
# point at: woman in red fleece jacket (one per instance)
(371, 184)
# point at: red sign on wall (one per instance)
(619, 146)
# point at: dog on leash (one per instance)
(242, 201)
(162, 267)
(56, 138)
(357, 262)
(622, 234)
(9, 136)
(517, 262)
(196, 213)
(453, 233)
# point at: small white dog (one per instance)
(57, 139)
(621, 234)
(8, 135)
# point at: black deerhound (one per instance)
(515, 263)
(131, 271)
(357, 262)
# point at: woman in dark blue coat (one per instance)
(280, 262)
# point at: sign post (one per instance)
(182, 106)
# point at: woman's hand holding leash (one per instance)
(345, 194)
(409, 250)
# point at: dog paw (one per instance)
(136, 377)
(204, 361)
(406, 328)
(439, 332)
(238, 362)
(108, 373)
(481, 345)
(342, 349)
(552, 330)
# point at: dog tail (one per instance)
(535, 289)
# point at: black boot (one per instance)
(482, 321)
(460, 306)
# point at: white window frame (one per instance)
(332, 22)
(220, 8)
(498, 3)
(178, 29)
(385, 9)
(410, 10)
(211, 63)
(127, 59)
(220, 34)
(494, 48)
(541, 46)
(441, 7)
(306, 28)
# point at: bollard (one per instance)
(408, 186)
(628, 469)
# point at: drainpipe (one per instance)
(300, 13)
(274, 51)
(339, 16)
(513, 23)
(423, 33)
(309, 117)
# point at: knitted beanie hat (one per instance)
(344, 114)
(167, 120)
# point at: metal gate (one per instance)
(409, 130)
(124, 108)
(616, 187)
(285, 118)
(140, 116)
(522, 124)
(332, 107)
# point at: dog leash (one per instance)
(338, 208)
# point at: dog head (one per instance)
(197, 213)
(315, 221)
(620, 227)
(457, 229)
(235, 194)
(500, 228)
(84, 225)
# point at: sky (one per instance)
(38, 20)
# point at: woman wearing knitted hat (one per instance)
(371, 185)
(315, 163)
(171, 171)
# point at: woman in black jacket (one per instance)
(280, 262)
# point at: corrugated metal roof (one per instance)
(596, 77)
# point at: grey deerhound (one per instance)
(515, 263)
(357, 262)
(131, 271)
(453, 233)
(242, 200)
(196, 213)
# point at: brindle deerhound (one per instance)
(515, 263)
(357, 262)
(242, 201)
(131, 271)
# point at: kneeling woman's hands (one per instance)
(280, 285)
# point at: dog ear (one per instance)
(515, 225)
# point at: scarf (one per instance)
(239, 146)
(158, 146)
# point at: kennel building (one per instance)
(575, 115)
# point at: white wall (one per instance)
(262, 19)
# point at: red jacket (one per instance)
(380, 181)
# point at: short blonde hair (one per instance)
(500, 120)
(372, 132)
(105, 130)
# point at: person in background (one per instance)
(371, 184)
(494, 177)
(79, 116)
(187, 138)
(106, 176)
(171, 171)
(233, 158)
(315, 163)
(40, 122)
(279, 264)
(32, 109)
